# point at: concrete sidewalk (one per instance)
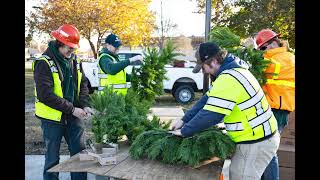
(34, 168)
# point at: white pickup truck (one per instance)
(181, 83)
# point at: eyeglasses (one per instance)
(69, 48)
(266, 46)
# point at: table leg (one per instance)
(98, 177)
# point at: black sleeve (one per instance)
(44, 87)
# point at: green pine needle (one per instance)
(226, 39)
(158, 144)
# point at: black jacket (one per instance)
(44, 86)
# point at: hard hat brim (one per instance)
(277, 35)
(56, 35)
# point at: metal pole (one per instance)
(207, 30)
(162, 37)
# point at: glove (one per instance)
(88, 110)
(177, 124)
(136, 58)
(249, 42)
(79, 113)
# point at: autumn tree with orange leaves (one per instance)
(129, 19)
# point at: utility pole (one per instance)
(162, 37)
(207, 30)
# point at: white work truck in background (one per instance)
(181, 82)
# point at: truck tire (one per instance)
(184, 94)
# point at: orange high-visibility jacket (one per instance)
(280, 86)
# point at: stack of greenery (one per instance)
(226, 39)
(171, 149)
(147, 81)
(120, 115)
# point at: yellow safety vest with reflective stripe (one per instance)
(118, 81)
(42, 110)
(237, 94)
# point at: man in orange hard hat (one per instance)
(61, 97)
(280, 86)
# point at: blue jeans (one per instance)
(272, 170)
(52, 135)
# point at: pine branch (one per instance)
(158, 144)
(226, 39)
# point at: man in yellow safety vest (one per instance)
(237, 99)
(112, 70)
(61, 97)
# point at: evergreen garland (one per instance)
(226, 39)
(171, 149)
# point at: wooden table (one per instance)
(145, 169)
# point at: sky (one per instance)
(179, 12)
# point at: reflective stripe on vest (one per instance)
(255, 96)
(277, 67)
(262, 118)
(103, 76)
(252, 101)
(281, 82)
(114, 86)
(219, 102)
(79, 75)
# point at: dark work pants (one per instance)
(272, 170)
(52, 135)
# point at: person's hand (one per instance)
(136, 58)
(249, 42)
(177, 124)
(176, 132)
(88, 110)
(79, 113)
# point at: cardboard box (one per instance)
(84, 156)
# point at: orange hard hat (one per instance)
(264, 36)
(68, 35)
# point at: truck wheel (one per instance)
(184, 94)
